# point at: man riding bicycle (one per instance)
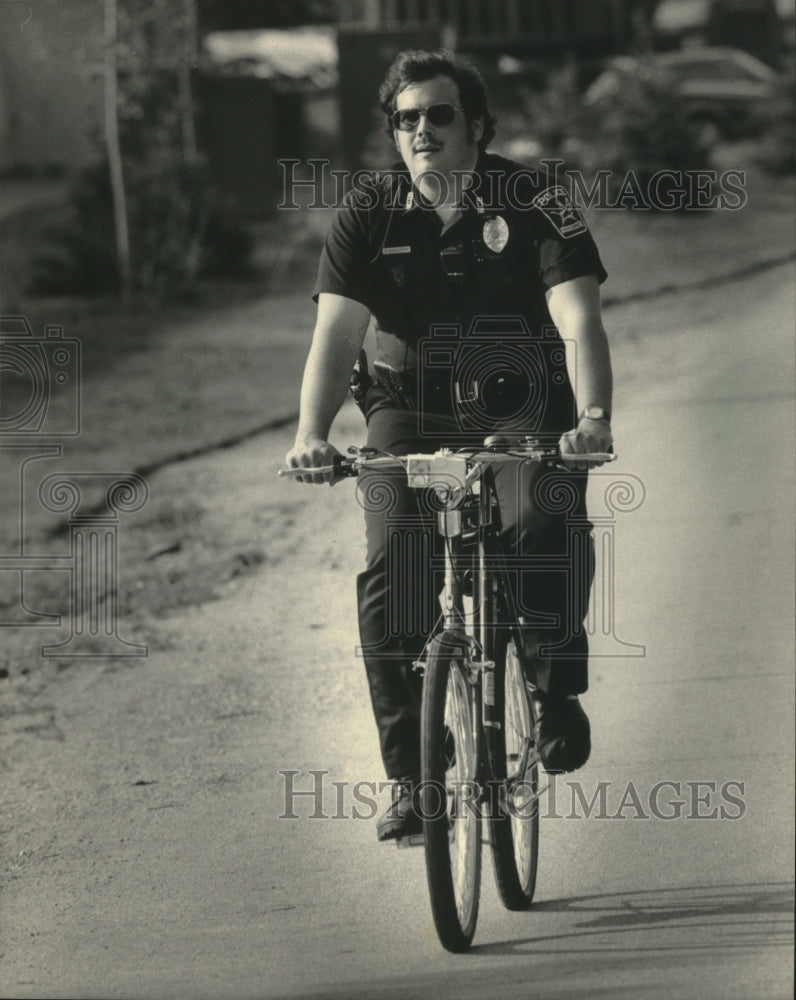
(482, 279)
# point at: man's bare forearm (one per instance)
(336, 342)
(575, 309)
(323, 390)
(589, 366)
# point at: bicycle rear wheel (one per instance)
(514, 820)
(449, 791)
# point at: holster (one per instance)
(360, 381)
(398, 385)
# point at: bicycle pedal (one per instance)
(413, 840)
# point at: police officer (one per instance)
(483, 281)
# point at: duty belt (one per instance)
(403, 387)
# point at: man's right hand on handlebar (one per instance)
(311, 451)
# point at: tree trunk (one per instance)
(114, 153)
(185, 92)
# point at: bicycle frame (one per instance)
(463, 479)
(490, 581)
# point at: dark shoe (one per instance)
(563, 734)
(401, 818)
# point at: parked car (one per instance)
(756, 26)
(725, 91)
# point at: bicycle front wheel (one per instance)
(514, 821)
(449, 791)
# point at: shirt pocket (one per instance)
(409, 265)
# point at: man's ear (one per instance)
(476, 129)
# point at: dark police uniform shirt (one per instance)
(472, 298)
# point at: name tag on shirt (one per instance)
(391, 250)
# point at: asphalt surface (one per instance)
(146, 799)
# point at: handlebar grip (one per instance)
(343, 467)
(340, 468)
(592, 456)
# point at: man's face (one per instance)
(443, 148)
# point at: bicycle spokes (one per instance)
(515, 825)
(449, 764)
(461, 790)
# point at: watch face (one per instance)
(595, 413)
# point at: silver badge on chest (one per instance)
(496, 233)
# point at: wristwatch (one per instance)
(595, 413)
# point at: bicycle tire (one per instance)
(514, 818)
(450, 748)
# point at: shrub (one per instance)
(178, 228)
(633, 122)
(643, 127)
(553, 122)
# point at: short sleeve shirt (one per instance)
(518, 235)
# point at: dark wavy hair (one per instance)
(419, 65)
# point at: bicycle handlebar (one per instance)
(493, 450)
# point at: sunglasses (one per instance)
(436, 114)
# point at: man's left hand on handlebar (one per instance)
(589, 436)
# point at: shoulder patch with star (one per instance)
(557, 206)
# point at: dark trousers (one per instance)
(544, 533)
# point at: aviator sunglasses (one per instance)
(436, 114)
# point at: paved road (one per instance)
(146, 799)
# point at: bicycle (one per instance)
(478, 757)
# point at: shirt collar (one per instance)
(412, 198)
